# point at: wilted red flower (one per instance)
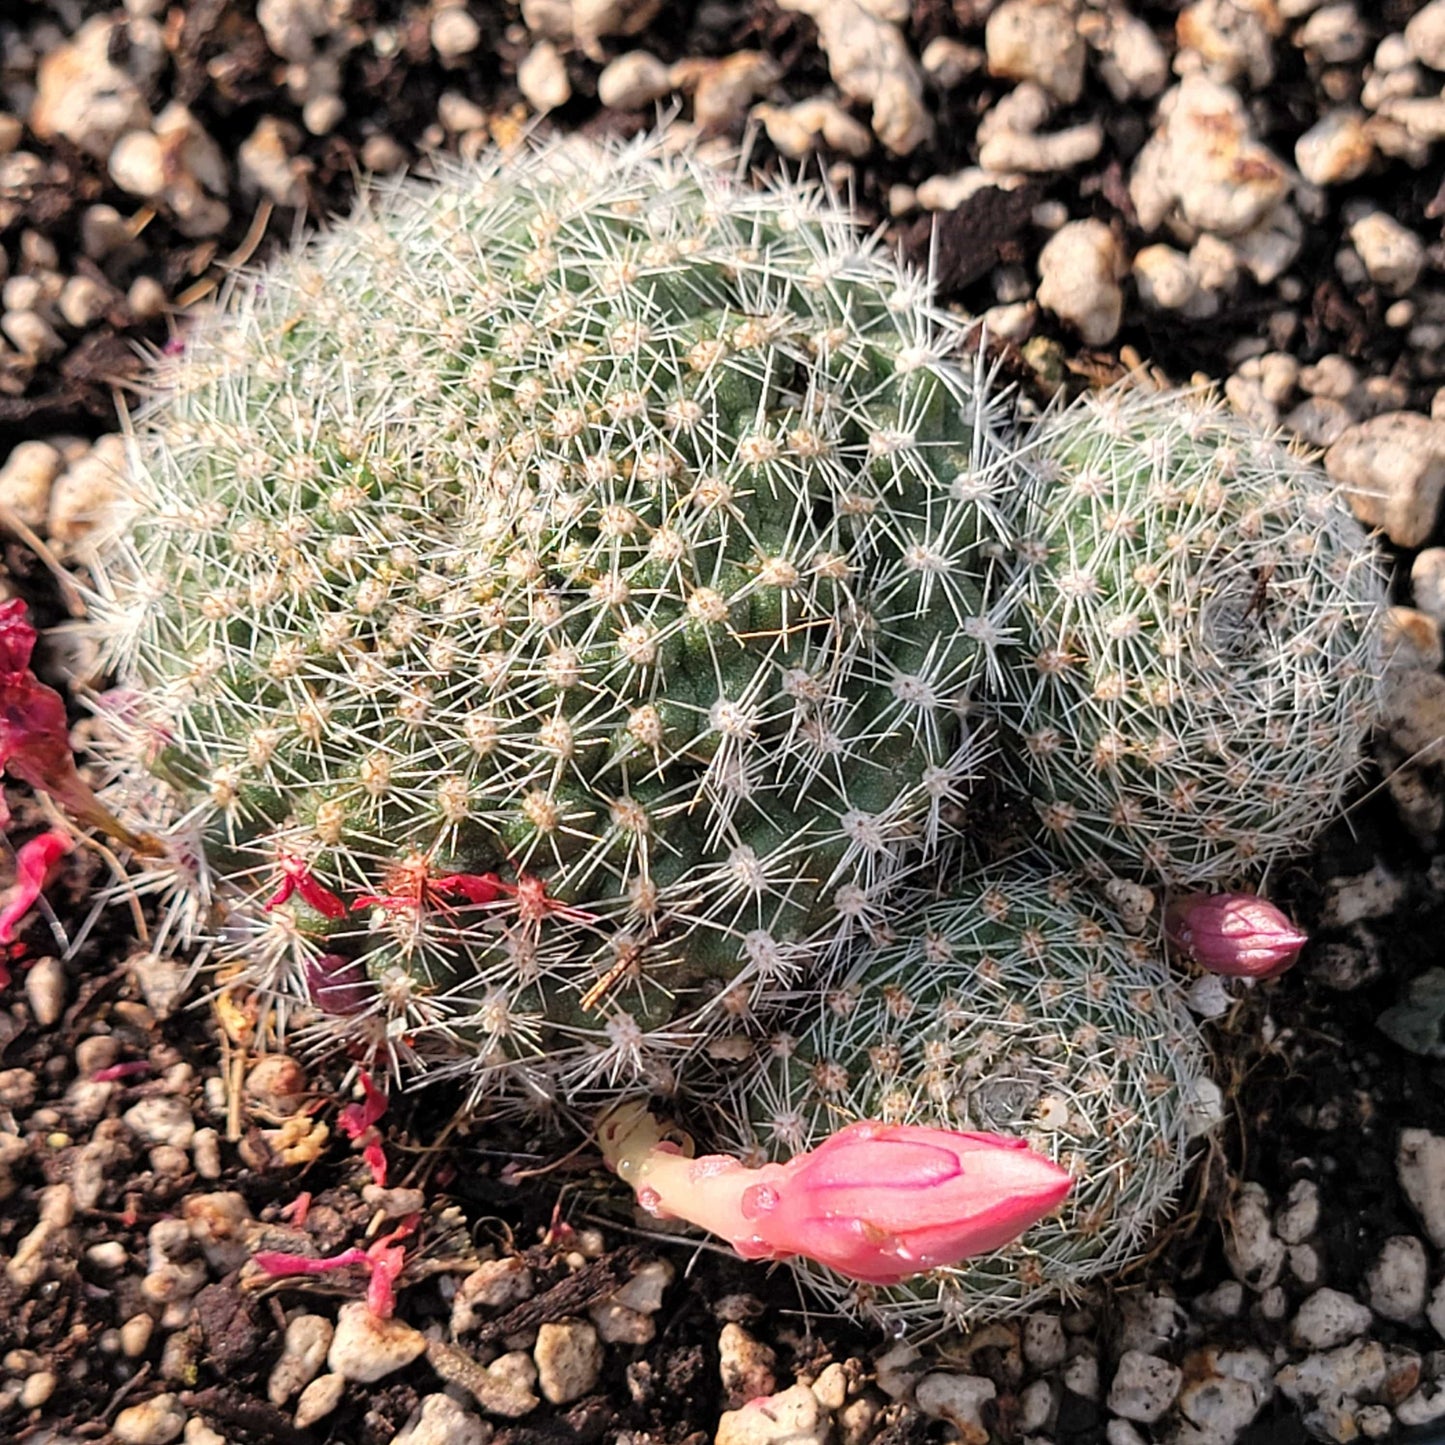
(878, 1202)
(1239, 935)
(339, 985)
(35, 738)
(35, 864)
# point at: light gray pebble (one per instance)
(1044, 1344)
(1039, 42)
(1225, 1390)
(1424, 1406)
(1079, 271)
(1036, 1405)
(958, 1399)
(1081, 1376)
(569, 1358)
(1393, 255)
(1254, 1252)
(319, 1399)
(440, 1420)
(791, 1417)
(1328, 1318)
(542, 78)
(1425, 35)
(1420, 1167)
(1224, 1302)
(1304, 1264)
(1148, 1321)
(162, 1119)
(1144, 1387)
(303, 1352)
(1398, 1279)
(1337, 148)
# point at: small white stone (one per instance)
(163, 1119)
(37, 1389)
(1042, 154)
(32, 335)
(798, 129)
(958, 1399)
(366, 1347)
(1081, 1376)
(84, 98)
(156, 1421)
(266, 161)
(645, 1290)
(1164, 278)
(1336, 148)
(948, 193)
(1425, 35)
(896, 1370)
(1424, 1406)
(1435, 1310)
(569, 1360)
(1044, 1344)
(496, 1284)
(1398, 1279)
(1225, 1390)
(84, 301)
(1300, 1216)
(792, 1417)
(1392, 468)
(138, 164)
(1225, 41)
(439, 1420)
(307, 1340)
(948, 62)
(1036, 1406)
(1427, 581)
(1208, 996)
(634, 80)
(1079, 271)
(1148, 1322)
(1393, 254)
(1224, 1302)
(1131, 61)
(454, 34)
(1144, 1387)
(870, 61)
(319, 1399)
(1328, 1318)
(542, 77)
(26, 479)
(1255, 1254)
(1333, 35)
(1305, 1265)
(1038, 41)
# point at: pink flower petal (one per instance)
(271, 1261)
(34, 866)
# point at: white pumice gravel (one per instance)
(440, 1420)
(1328, 1318)
(1144, 1387)
(366, 1347)
(569, 1360)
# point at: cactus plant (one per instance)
(1199, 640)
(1013, 1005)
(556, 591)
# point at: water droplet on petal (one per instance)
(759, 1199)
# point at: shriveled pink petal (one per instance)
(116, 1072)
(375, 1157)
(356, 1119)
(35, 864)
(271, 1261)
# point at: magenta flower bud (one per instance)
(1239, 935)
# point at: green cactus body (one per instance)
(587, 520)
(1199, 641)
(1012, 1006)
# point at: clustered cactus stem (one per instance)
(559, 615)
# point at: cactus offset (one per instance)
(1011, 1006)
(1199, 640)
(560, 588)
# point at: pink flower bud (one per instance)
(882, 1201)
(878, 1202)
(1237, 934)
